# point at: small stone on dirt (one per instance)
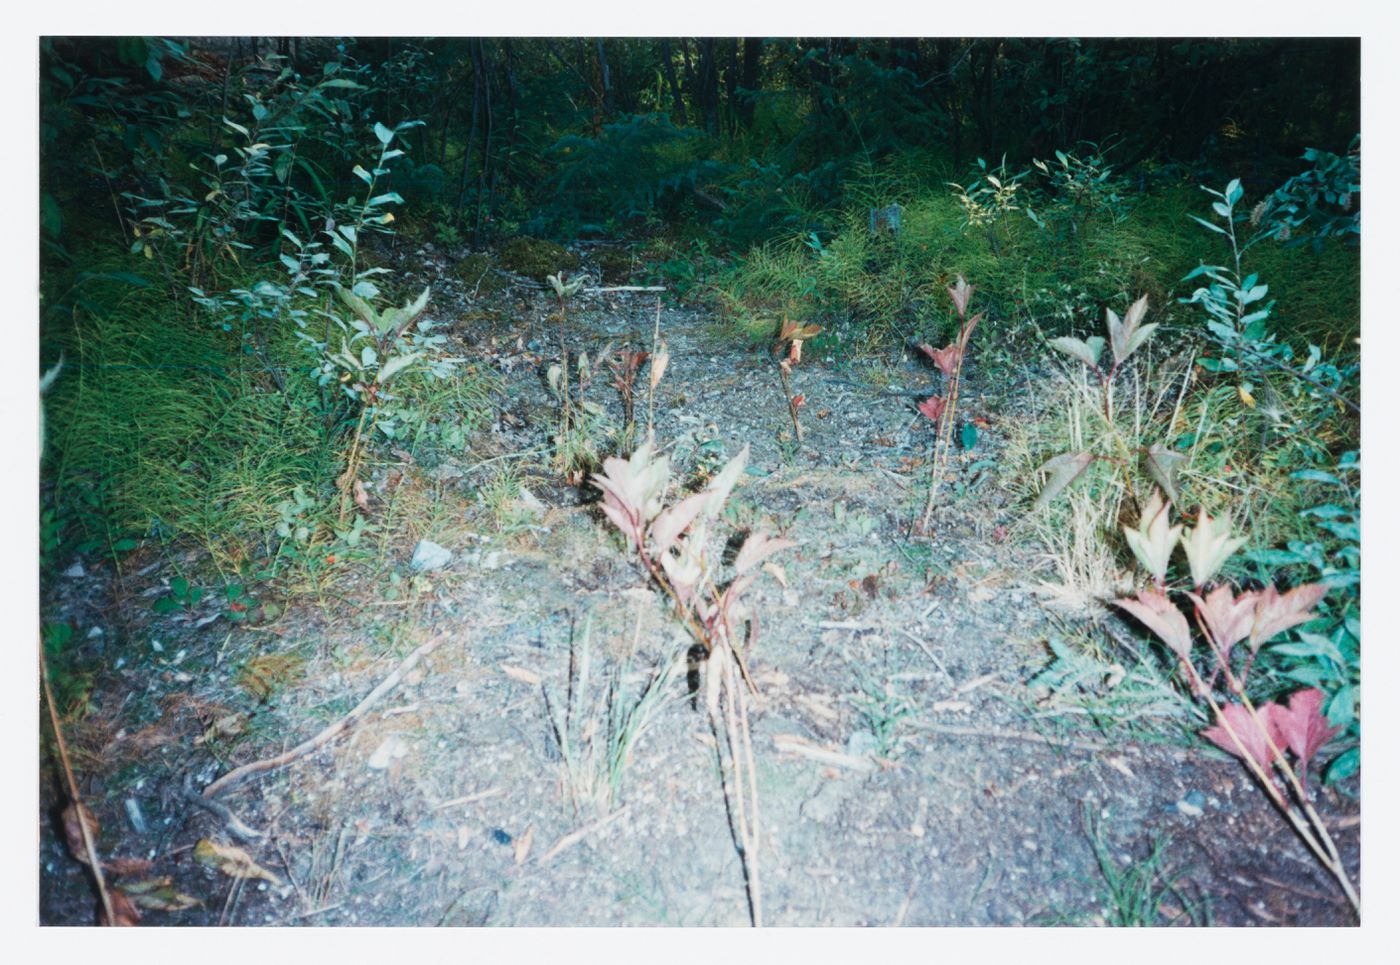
(529, 501)
(75, 571)
(389, 750)
(428, 555)
(1192, 804)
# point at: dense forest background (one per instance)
(739, 138)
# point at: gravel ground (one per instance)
(908, 774)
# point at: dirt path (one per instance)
(906, 774)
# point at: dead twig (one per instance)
(467, 799)
(997, 733)
(574, 837)
(239, 775)
(76, 799)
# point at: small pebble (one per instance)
(1192, 804)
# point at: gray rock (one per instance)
(428, 555)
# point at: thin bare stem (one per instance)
(78, 807)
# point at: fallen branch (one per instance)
(239, 775)
(997, 733)
(80, 810)
(574, 837)
(822, 755)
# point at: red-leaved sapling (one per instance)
(794, 334)
(1275, 741)
(941, 410)
(673, 544)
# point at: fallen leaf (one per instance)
(124, 913)
(73, 832)
(1120, 765)
(159, 894)
(361, 497)
(777, 573)
(117, 867)
(232, 861)
(522, 845)
(520, 674)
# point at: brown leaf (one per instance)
(361, 497)
(73, 833)
(124, 913)
(232, 861)
(658, 365)
(117, 867)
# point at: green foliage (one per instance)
(636, 166)
(182, 596)
(1142, 893)
(1122, 442)
(160, 428)
(1238, 321)
(1322, 202)
(1328, 654)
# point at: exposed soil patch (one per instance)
(906, 774)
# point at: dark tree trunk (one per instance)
(748, 83)
(474, 130)
(668, 68)
(731, 82)
(602, 87)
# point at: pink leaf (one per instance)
(946, 358)
(757, 548)
(1274, 614)
(668, 526)
(1228, 618)
(1251, 738)
(1304, 727)
(1161, 616)
(932, 407)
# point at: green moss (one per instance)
(536, 257)
(478, 272)
(616, 263)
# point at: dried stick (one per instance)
(241, 774)
(574, 837)
(78, 806)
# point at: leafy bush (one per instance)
(637, 166)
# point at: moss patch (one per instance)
(478, 272)
(616, 263)
(536, 258)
